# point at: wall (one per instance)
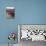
(31, 11)
(27, 12)
(6, 25)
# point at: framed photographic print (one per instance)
(10, 12)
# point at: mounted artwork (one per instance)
(32, 32)
(10, 12)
